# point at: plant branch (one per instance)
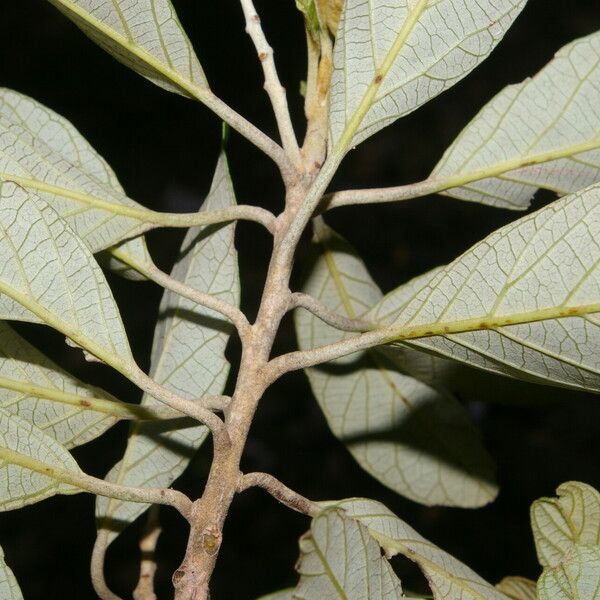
(247, 129)
(323, 312)
(272, 84)
(279, 491)
(97, 567)
(191, 580)
(189, 407)
(380, 195)
(144, 590)
(152, 272)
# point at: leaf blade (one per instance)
(448, 578)
(43, 152)
(413, 439)
(31, 386)
(561, 523)
(518, 588)
(144, 35)
(547, 125)
(523, 302)
(340, 560)
(49, 276)
(576, 578)
(9, 588)
(22, 443)
(396, 66)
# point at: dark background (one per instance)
(163, 148)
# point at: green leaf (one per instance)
(576, 578)
(43, 152)
(448, 578)
(392, 56)
(48, 275)
(145, 35)
(518, 588)
(40, 392)
(9, 588)
(523, 302)
(187, 357)
(544, 132)
(341, 561)
(560, 523)
(25, 450)
(412, 438)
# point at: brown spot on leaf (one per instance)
(85, 403)
(378, 78)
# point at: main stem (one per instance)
(208, 514)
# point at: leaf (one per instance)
(576, 578)
(40, 392)
(448, 578)
(43, 152)
(413, 439)
(187, 357)
(543, 132)
(9, 588)
(23, 442)
(145, 35)
(522, 302)
(135, 248)
(281, 595)
(561, 523)
(48, 275)
(518, 588)
(392, 56)
(340, 560)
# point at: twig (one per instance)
(272, 85)
(323, 312)
(97, 567)
(302, 359)
(144, 589)
(279, 491)
(244, 127)
(152, 272)
(189, 407)
(381, 195)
